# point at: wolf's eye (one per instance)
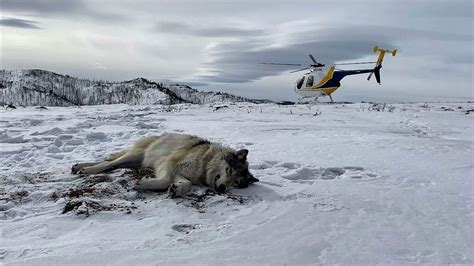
(229, 170)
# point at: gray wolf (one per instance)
(179, 161)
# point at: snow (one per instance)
(350, 185)
(32, 87)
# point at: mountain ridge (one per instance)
(31, 87)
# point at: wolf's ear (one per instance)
(242, 155)
(252, 179)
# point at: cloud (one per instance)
(19, 23)
(42, 6)
(45, 8)
(217, 42)
(444, 9)
(202, 31)
(239, 61)
(99, 66)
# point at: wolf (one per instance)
(179, 161)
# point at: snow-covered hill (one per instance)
(204, 97)
(339, 184)
(39, 87)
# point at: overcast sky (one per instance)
(219, 44)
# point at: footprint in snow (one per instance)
(186, 228)
(298, 172)
(263, 165)
(100, 136)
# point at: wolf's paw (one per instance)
(87, 171)
(83, 168)
(82, 172)
(173, 191)
(178, 189)
(76, 169)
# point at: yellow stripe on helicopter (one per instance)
(326, 78)
(329, 90)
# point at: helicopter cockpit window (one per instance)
(310, 81)
(300, 83)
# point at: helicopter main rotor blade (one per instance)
(300, 70)
(312, 58)
(355, 63)
(280, 64)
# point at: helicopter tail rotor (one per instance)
(378, 64)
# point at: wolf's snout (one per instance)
(221, 188)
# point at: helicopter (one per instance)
(322, 80)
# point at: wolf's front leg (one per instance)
(160, 182)
(91, 169)
(152, 183)
(180, 187)
(78, 167)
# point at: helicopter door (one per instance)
(310, 81)
(300, 83)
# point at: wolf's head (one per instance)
(234, 172)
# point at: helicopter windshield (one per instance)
(300, 83)
(310, 81)
(319, 74)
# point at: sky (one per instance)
(220, 45)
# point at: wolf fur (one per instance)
(179, 161)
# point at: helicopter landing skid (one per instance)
(308, 100)
(314, 100)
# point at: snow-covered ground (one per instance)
(338, 184)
